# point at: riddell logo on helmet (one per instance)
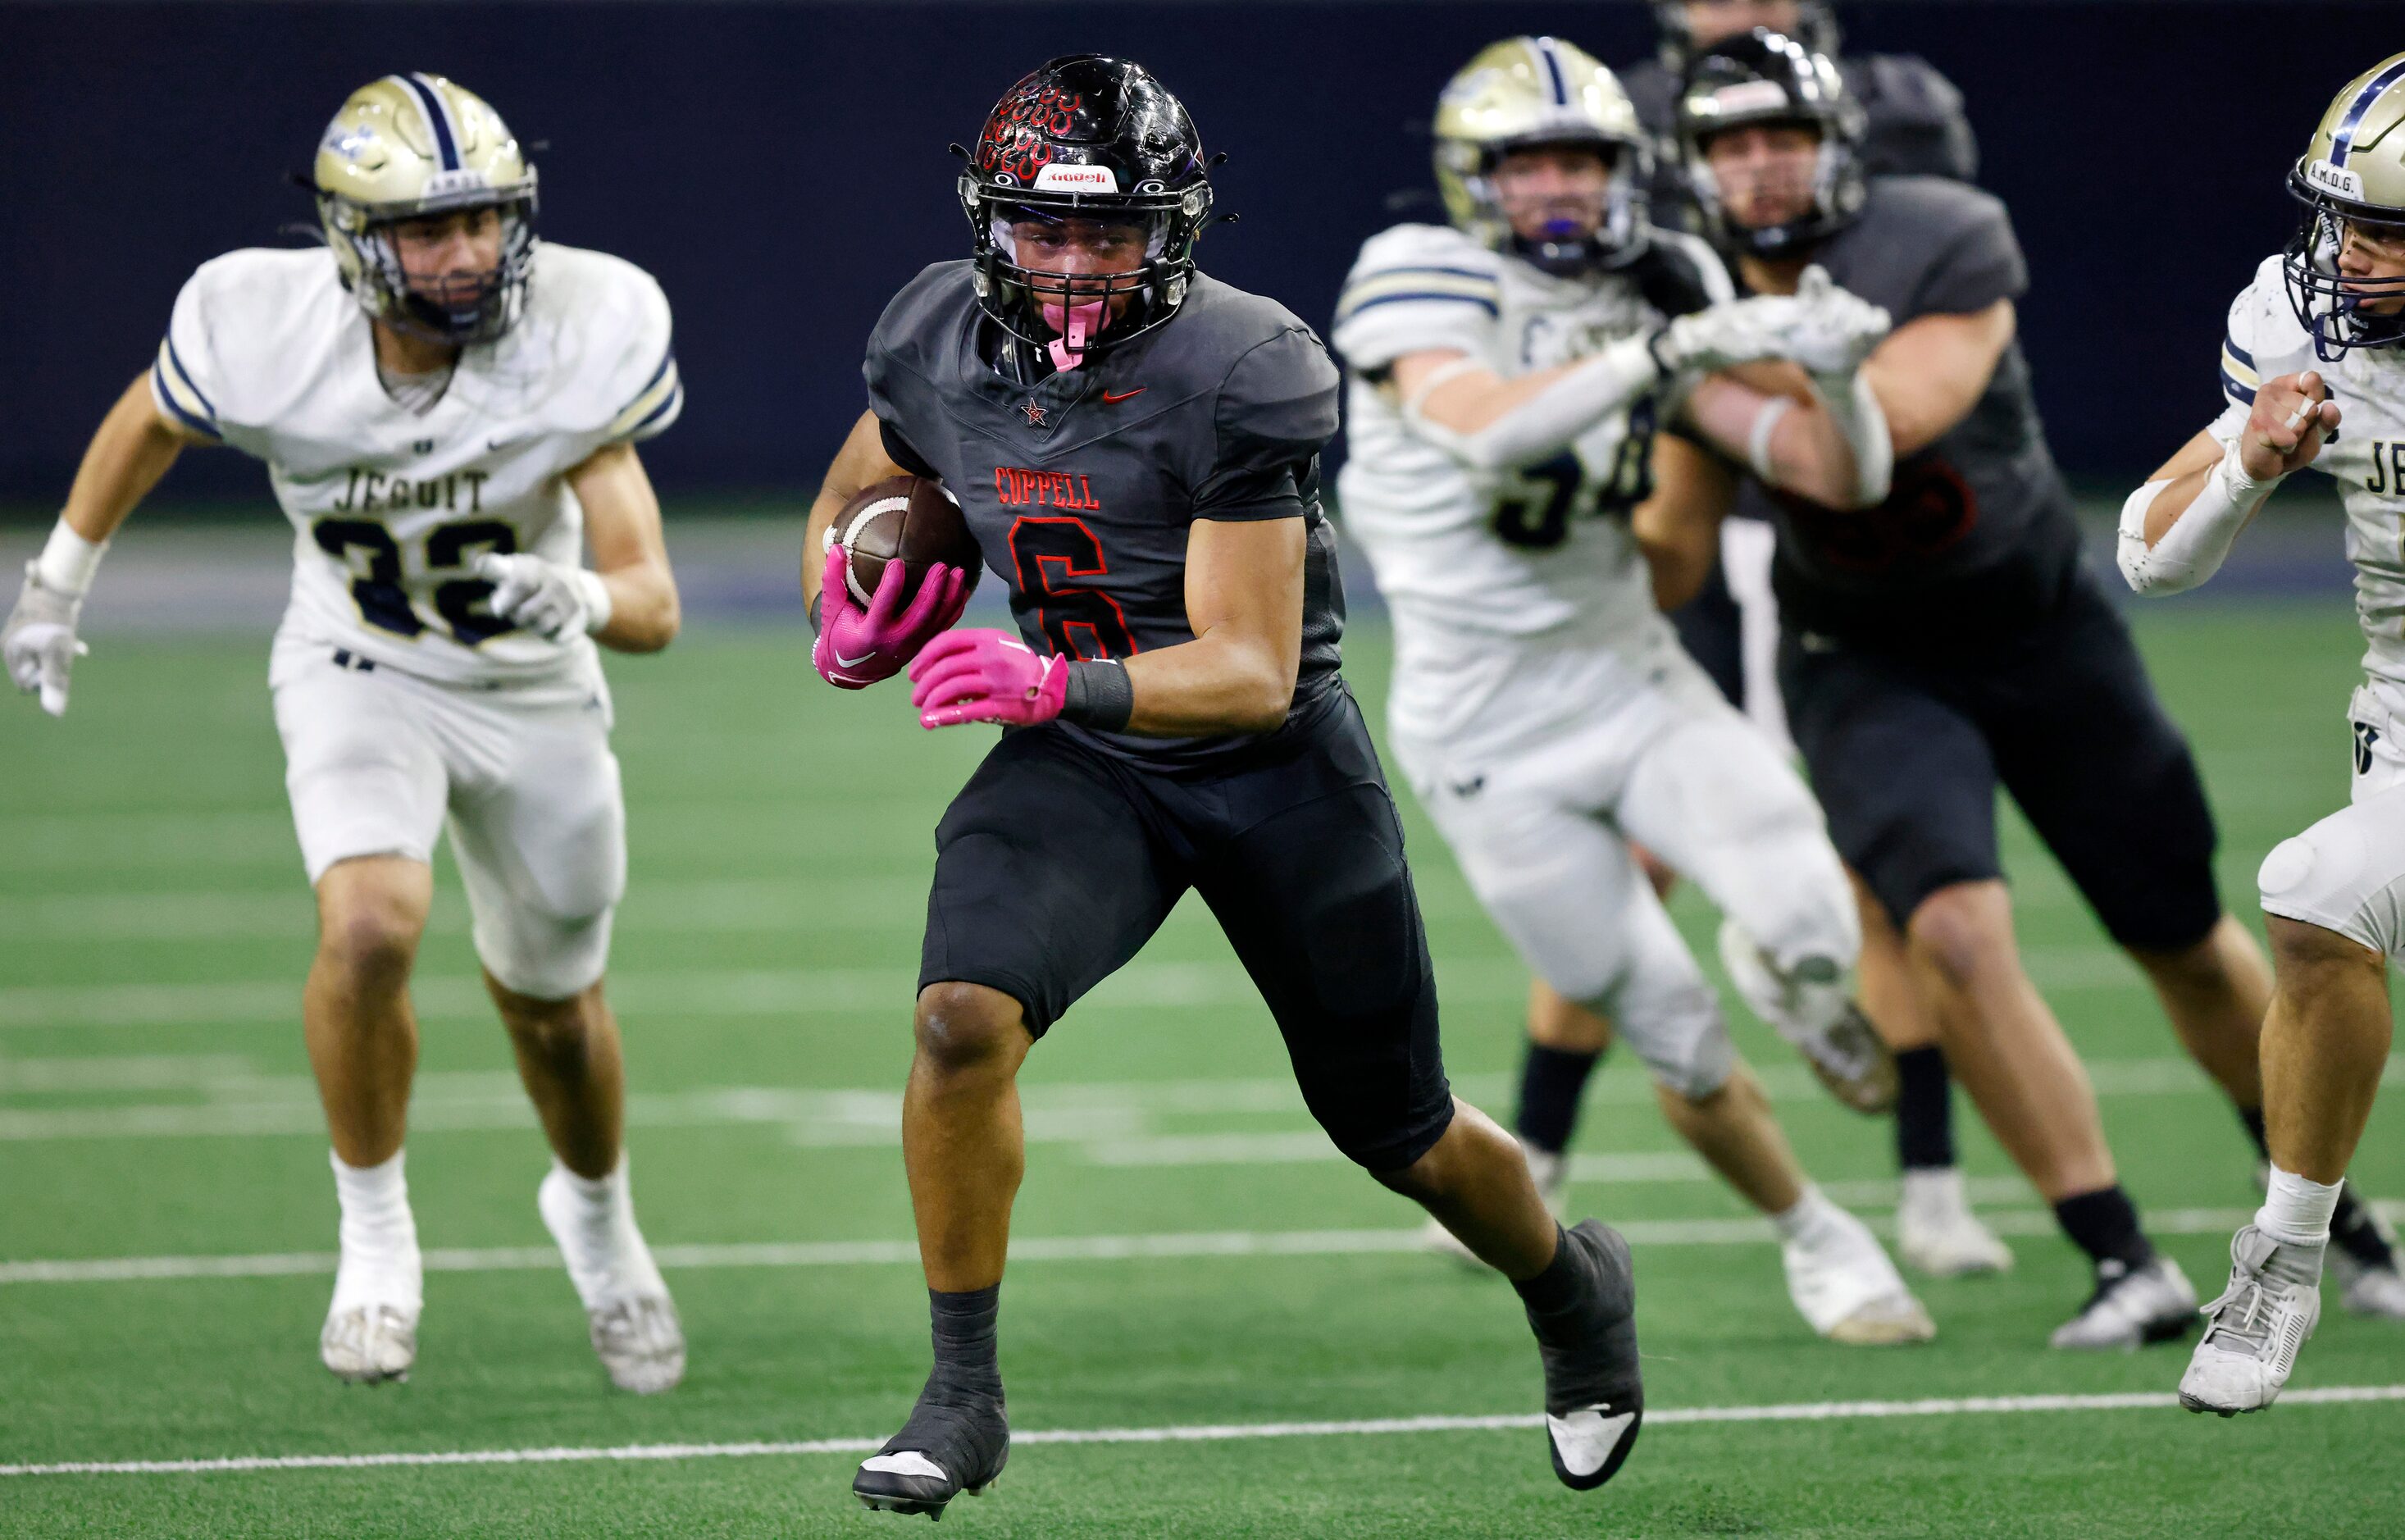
(1748, 96)
(1077, 178)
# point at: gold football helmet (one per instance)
(2353, 174)
(406, 147)
(1525, 91)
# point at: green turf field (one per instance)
(155, 1108)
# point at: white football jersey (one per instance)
(2367, 459)
(269, 353)
(1478, 566)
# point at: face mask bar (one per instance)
(1071, 315)
(461, 315)
(1619, 237)
(1836, 196)
(2330, 305)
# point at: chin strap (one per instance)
(1075, 323)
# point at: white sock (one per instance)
(592, 1219)
(1933, 1184)
(1803, 1216)
(2297, 1209)
(379, 1236)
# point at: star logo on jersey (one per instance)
(1032, 412)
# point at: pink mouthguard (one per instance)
(1075, 323)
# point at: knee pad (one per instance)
(1684, 1039)
(2332, 876)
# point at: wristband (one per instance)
(68, 561)
(1100, 696)
(1757, 444)
(599, 605)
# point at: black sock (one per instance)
(1552, 1080)
(2355, 1232)
(964, 1334)
(2104, 1224)
(1924, 1110)
(2253, 1118)
(1557, 1286)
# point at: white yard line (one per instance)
(1116, 1120)
(855, 1253)
(1808, 1411)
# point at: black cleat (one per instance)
(950, 1446)
(1595, 1393)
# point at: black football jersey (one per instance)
(1980, 532)
(1081, 488)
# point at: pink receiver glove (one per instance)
(986, 676)
(858, 647)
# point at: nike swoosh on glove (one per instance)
(858, 647)
(38, 641)
(986, 676)
(545, 597)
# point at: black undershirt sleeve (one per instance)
(898, 450)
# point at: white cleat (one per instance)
(2378, 1293)
(1846, 1289)
(2130, 1309)
(1552, 1175)
(1815, 1015)
(640, 1342)
(2254, 1330)
(369, 1344)
(633, 1322)
(1936, 1232)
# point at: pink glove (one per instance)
(986, 676)
(858, 647)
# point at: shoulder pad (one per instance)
(1680, 275)
(614, 342)
(2264, 339)
(929, 307)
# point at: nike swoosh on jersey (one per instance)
(1114, 400)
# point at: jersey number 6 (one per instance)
(1049, 555)
(383, 603)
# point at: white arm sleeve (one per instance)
(1861, 422)
(2194, 547)
(1542, 426)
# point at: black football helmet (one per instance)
(1095, 139)
(1816, 28)
(1765, 77)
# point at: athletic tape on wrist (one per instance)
(68, 561)
(599, 605)
(1100, 696)
(1766, 423)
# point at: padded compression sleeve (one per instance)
(2196, 545)
(1542, 426)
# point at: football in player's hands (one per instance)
(912, 520)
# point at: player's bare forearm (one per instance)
(622, 525)
(1931, 372)
(1243, 600)
(861, 462)
(1803, 450)
(133, 447)
(1678, 529)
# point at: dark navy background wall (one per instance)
(781, 168)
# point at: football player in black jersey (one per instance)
(1950, 641)
(1911, 123)
(1135, 448)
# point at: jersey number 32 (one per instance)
(377, 590)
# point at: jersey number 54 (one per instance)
(1535, 504)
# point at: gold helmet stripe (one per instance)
(438, 117)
